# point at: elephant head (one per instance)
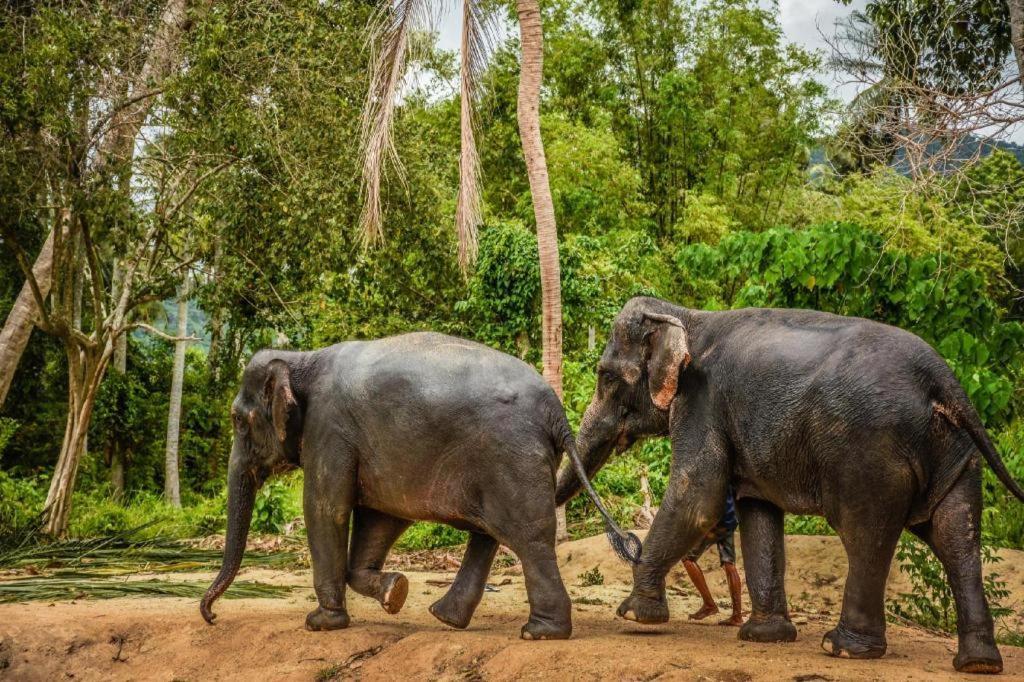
(267, 421)
(638, 378)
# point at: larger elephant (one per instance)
(415, 427)
(803, 412)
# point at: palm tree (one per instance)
(392, 34)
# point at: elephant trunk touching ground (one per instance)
(242, 486)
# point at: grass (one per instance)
(591, 578)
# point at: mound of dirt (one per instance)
(165, 639)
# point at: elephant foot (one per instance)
(844, 643)
(768, 629)
(643, 610)
(320, 619)
(449, 611)
(538, 629)
(395, 588)
(977, 653)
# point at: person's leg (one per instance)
(697, 578)
(727, 556)
(736, 592)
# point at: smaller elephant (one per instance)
(421, 426)
(808, 413)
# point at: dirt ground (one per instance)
(165, 639)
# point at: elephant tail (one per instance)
(627, 545)
(961, 414)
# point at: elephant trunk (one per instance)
(594, 452)
(242, 487)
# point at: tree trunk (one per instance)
(1017, 34)
(18, 327)
(85, 373)
(172, 489)
(528, 113)
(117, 455)
(86, 370)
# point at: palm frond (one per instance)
(477, 39)
(68, 585)
(389, 35)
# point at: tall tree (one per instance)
(125, 120)
(172, 487)
(83, 152)
(528, 115)
(393, 33)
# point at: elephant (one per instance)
(420, 426)
(801, 412)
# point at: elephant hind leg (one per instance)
(456, 607)
(954, 534)
(870, 528)
(764, 563)
(373, 534)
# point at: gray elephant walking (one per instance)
(808, 413)
(415, 427)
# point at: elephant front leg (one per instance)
(764, 562)
(456, 607)
(694, 501)
(327, 529)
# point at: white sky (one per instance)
(805, 23)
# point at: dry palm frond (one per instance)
(389, 35)
(89, 585)
(121, 553)
(477, 38)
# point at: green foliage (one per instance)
(844, 269)
(21, 500)
(430, 536)
(273, 507)
(97, 515)
(930, 600)
(7, 428)
(591, 578)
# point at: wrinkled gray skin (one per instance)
(415, 427)
(802, 412)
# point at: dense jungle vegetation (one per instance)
(693, 156)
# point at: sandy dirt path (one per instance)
(165, 639)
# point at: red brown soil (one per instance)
(165, 639)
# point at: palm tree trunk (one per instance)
(172, 489)
(1017, 34)
(528, 113)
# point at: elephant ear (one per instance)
(669, 355)
(277, 394)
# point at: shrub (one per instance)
(930, 600)
(272, 509)
(591, 578)
(430, 536)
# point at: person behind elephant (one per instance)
(421, 426)
(722, 537)
(807, 413)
